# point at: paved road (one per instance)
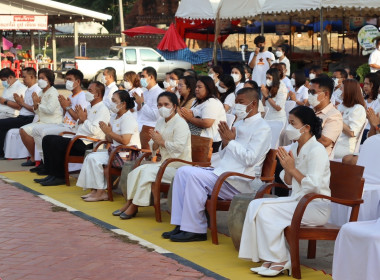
(40, 241)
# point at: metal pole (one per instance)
(321, 32)
(54, 46)
(76, 44)
(262, 25)
(121, 21)
(33, 54)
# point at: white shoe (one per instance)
(273, 272)
(260, 268)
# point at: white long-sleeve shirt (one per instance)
(247, 152)
(108, 92)
(148, 114)
(49, 110)
(16, 87)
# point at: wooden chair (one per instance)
(201, 151)
(346, 184)
(145, 137)
(214, 204)
(70, 158)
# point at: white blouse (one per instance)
(126, 124)
(211, 109)
(355, 118)
(280, 100)
(230, 101)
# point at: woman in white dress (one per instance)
(306, 170)
(226, 90)
(132, 84)
(172, 137)
(123, 129)
(371, 91)
(238, 74)
(301, 92)
(354, 116)
(274, 96)
(207, 111)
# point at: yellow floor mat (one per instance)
(221, 259)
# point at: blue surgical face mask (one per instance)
(143, 82)
(5, 84)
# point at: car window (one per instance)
(130, 56)
(149, 55)
(115, 54)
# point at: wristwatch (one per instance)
(68, 108)
(5, 102)
(266, 98)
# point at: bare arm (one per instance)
(325, 141)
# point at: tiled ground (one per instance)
(38, 242)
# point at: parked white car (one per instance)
(124, 59)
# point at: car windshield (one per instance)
(115, 54)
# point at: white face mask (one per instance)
(293, 81)
(103, 79)
(165, 112)
(269, 83)
(5, 84)
(236, 77)
(279, 53)
(113, 107)
(211, 76)
(313, 100)
(336, 82)
(247, 75)
(241, 111)
(144, 82)
(312, 76)
(221, 90)
(89, 96)
(292, 133)
(166, 84)
(69, 85)
(127, 85)
(173, 83)
(42, 83)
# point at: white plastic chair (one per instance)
(230, 119)
(289, 105)
(276, 128)
(369, 157)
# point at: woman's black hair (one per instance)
(241, 70)
(125, 97)
(49, 74)
(211, 91)
(228, 81)
(308, 117)
(178, 72)
(275, 74)
(171, 96)
(300, 78)
(374, 80)
(191, 73)
(190, 83)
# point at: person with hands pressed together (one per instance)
(172, 137)
(46, 106)
(274, 96)
(25, 105)
(306, 170)
(54, 146)
(122, 130)
(243, 150)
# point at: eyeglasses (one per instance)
(313, 91)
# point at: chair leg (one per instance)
(109, 183)
(156, 202)
(213, 227)
(311, 249)
(67, 175)
(293, 242)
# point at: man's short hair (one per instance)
(343, 73)
(151, 72)
(78, 75)
(259, 39)
(100, 88)
(6, 73)
(49, 75)
(251, 93)
(30, 71)
(324, 83)
(111, 71)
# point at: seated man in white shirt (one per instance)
(54, 146)
(25, 105)
(109, 80)
(244, 148)
(74, 79)
(339, 76)
(147, 102)
(8, 107)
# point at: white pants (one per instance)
(191, 187)
(91, 175)
(263, 235)
(140, 179)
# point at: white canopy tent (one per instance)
(57, 13)
(197, 9)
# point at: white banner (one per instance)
(23, 22)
